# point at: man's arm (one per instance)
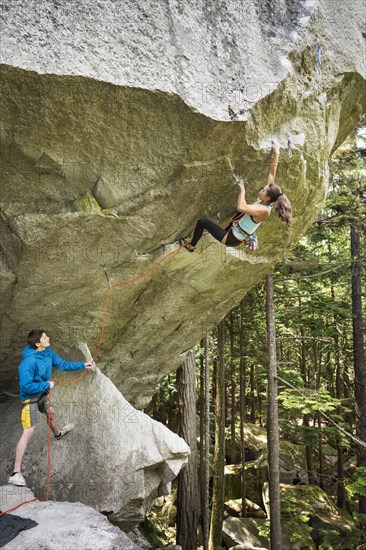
(26, 379)
(62, 364)
(274, 163)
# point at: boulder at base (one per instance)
(117, 459)
(64, 525)
(307, 509)
(244, 532)
(253, 533)
(234, 508)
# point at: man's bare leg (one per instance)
(58, 433)
(53, 422)
(21, 447)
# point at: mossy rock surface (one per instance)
(253, 532)
(292, 465)
(307, 509)
(255, 475)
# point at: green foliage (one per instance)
(159, 524)
(153, 532)
(346, 538)
(264, 529)
(358, 485)
(331, 539)
(156, 530)
(311, 403)
(299, 534)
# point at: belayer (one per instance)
(35, 372)
(249, 216)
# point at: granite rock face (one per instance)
(116, 136)
(117, 459)
(63, 525)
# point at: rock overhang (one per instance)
(168, 46)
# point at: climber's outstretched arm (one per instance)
(273, 166)
(257, 209)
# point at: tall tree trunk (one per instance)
(242, 412)
(202, 432)
(259, 404)
(272, 422)
(252, 395)
(341, 494)
(205, 448)
(188, 495)
(358, 350)
(232, 393)
(317, 368)
(305, 421)
(321, 454)
(217, 513)
(308, 449)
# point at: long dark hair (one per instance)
(283, 208)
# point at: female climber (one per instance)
(248, 216)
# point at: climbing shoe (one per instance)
(187, 245)
(17, 479)
(66, 429)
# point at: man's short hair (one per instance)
(34, 337)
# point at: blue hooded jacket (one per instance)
(35, 371)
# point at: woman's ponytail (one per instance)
(284, 209)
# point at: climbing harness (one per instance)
(250, 239)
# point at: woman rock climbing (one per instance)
(248, 216)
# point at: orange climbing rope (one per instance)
(123, 283)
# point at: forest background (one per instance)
(223, 389)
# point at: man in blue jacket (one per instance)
(35, 372)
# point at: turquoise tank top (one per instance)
(247, 224)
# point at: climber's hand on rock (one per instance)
(241, 185)
(89, 364)
(51, 384)
(275, 149)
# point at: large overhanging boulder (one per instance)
(116, 135)
(117, 459)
